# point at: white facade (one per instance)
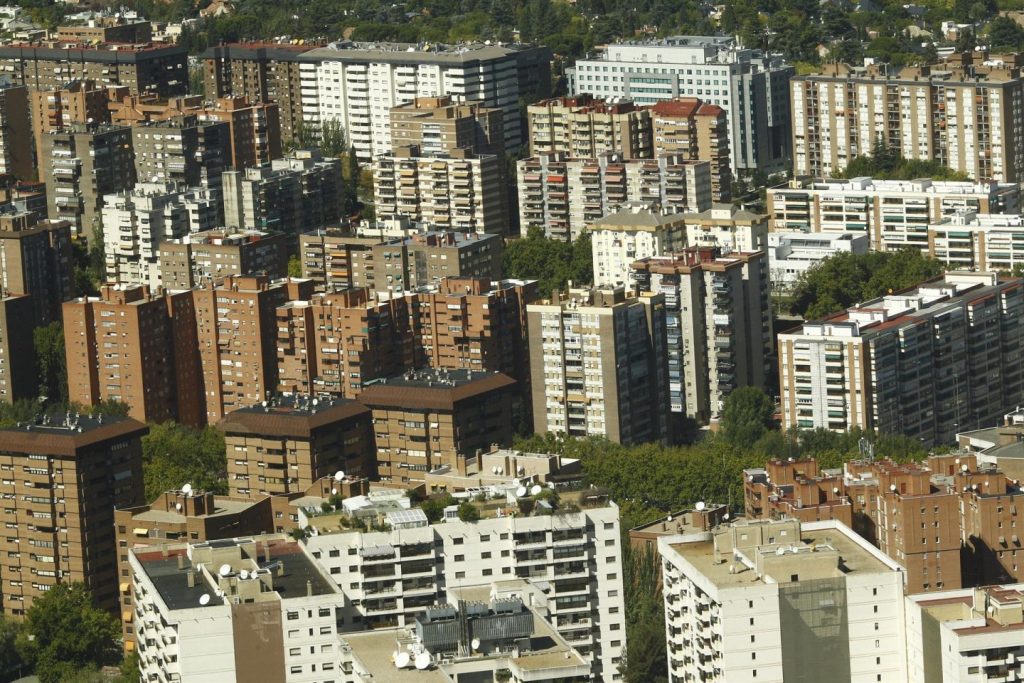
(750, 86)
(768, 601)
(358, 84)
(970, 241)
(791, 254)
(632, 234)
(135, 223)
(574, 558)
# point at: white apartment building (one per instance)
(973, 635)
(357, 84)
(235, 611)
(884, 210)
(598, 365)
(751, 86)
(791, 254)
(636, 232)
(562, 196)
(571, 560)
(462, 191)
(780, 601)
(135, 223)
(973, 241)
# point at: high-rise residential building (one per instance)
(750, 85)
(959, 113)
(635, 232)
(236, 610)
(286, 443)
(459, 191)
(337, 261)
(791, 254)
(61, 480)
(695, 130)
(584, 127)
(182, 150)
(429, 418)
(752, 600)
(717, 322)
(598, 365)
(16, 153)
(562, 196)
(357, 84)
(235, 327)
(561, 563)
(148, 68)
(132, 346)
(728, 228)
(135, 224)
(882, 209)
(80, 165)
(295, 194)
(971, 241)
(18, 376)
(78, 101)
(927, 362)
(35, 259)
(199, 257)
(438, 126)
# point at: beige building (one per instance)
(213, 254)
(60, 480)
(728, 228)
(698, 131)
(585, 127)
(635, 232)
(598, 365)
(75, 102)
(961, 113)
(438, 126)
(16, 133)
(286, 443)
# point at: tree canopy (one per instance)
(887, 164)
(554, 263)
(746, 417)
(173, 454)
(842, 280)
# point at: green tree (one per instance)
(173, 455)
(1005, 34)
(332, 138)
(746, 416)
(51, 362)
(9, 659)
(552, 262)
(294, 266)
(433, 507)
(468, 512)
(647, 660)
(64, 634)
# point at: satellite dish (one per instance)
(316, 402)
(187, 489)
(402, 660)
(551, 484)
(422, 660)
(892, 487)
(204, 599)
(964, 468)
(177, 506)
(699, 506)
(725, 516)
(536, 489)
(835, 490)
(225, 569)
(243, 575)
(339, 475)
(334, 492)
(494, 470)
(520, 492)
(475, 644)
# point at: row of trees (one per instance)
(552, 262)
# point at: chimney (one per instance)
(266, 553)
(181, 561)
(191, 579)
(309, 589)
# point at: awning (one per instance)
(141, 532)
(125, 586)
(129, 645)
(127, 616)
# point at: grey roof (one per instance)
(628, 218)
(407, 53)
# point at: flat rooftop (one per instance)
(224, 507)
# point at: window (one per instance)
(458, 541)
(296, 669)
(616, 627)
(334, 553)
(484, 538)
(292, 616)
(485, 556)
(488, 572)
(460, 558)
(460, 575)
(295, 651)
(324, 612)
(751, 621)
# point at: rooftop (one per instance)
(56, 436)
(433, 388)
(293, 415)
(639, 216)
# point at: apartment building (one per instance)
(796, 488)
(80, 165)
(336, 260)
(429, 418)
(124, 345)
(598, 365)
(751, 86)
(972, 241)
(15, 133)
(782, 601)
(77, 101)
(791, 254)
(182, 150)
(135, 224)
(571, 563)
(235, 610)
(18, 376)
(286, 443)
(199, 257)
(718, 325)
(925, 363)
(298, 193)
(729, 228)
(235, 323)
(35, 259)
(438, 126)
(957, 112)
(562, 196)
(459, 191)
(635, 232)
(107, 30)
(61, 480)
(584, 127)
(698, 131)
(145, 68)
(887, 211)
